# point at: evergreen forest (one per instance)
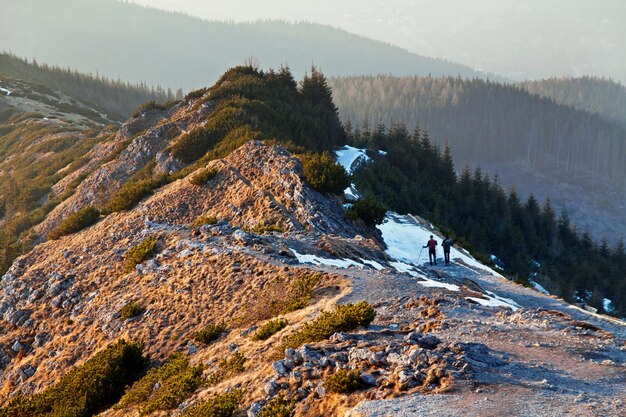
(528, 239)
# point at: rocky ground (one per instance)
(433, 349)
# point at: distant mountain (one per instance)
(575, 157)
(596, 95)
(116, 99)
(171, 49)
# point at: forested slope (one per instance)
(596, 95)
(117, 98)
(575, 157)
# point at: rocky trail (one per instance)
(447, 340)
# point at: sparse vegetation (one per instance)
(278, 406)
(86, 389)
(223, 405)
(132, 192)
(344, 318)
(163, 387)
(323, 173)
(203, 176)
(139, 253)
(343, 381)
(368, 209)
(130, 310)
(209, 333)
(76, 222)
(280, 297)
(267, 228)
(270, 328)
(234, 364)
(202, 220)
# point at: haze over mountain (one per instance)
(518, 39)
(575, 157)
(174, 50)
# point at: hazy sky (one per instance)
(517, 38)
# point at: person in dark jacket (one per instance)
(432, 251)
(447, 244)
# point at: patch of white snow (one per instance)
(539, 288)
(4, 90)
(318, 260)
(350, 158)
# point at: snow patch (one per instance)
(318, 260)
(4, 90)
(405, 238)
(350, 158)
(608, 306)
(377, 266)
(539, 288)
(494, 300)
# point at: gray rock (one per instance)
(255, 408)
(17, 346)
(279, 367)
(271, 388)
(369, 379)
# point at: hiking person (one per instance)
(432, 254)
(447, 244)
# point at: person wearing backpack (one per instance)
(432, 254)
(447, 244)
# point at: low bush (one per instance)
(132, 193)
(323, 173)
(202, 220)
(210, 333)
(130, 310)
(87, 389)
(163, 387)
(300, 292)
(75, 222)
(343, 381)
(368, 209)
(223, 405)
(281, 296)
(234, 364)
(344, 318)
(202, 176)
(270, 328)
(278, 406)
(268, 228)
(139, 253)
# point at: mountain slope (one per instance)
(573, 157)
(146, 44)
(202, 256)
(118, 99)
(595, 95)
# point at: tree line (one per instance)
(529, 239)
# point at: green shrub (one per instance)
(87, 389)
(164, 387)
(343, 381)
(278, 407)
(139, 253)
(234, 364)
(202, 176)
(132, 193)
(223, 405)
(323, 173)
(195, 94)
(368, 209)
(344, 318)
(153, 105)
(268, 228)
(280, 297)
(268, 329)
(76, 221)
(202, 220)
(210, 333)
(132, 309)
(300, 292)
